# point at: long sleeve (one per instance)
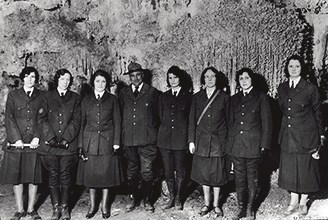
(13, 133)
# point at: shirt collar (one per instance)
(139, 87)
(99, 93)
(61, 91)
(247, 91)
(29, 90)
(176, 90)
(210, 92)
(296, 81)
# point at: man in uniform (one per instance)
(138, 103)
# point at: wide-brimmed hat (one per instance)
(133, 67)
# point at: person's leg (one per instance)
(293, 204)
(252, 165)
(180, 164)
(133, 168)
(51, 164)
(92, 206)
(18, 191)
(168, 162)
(207, 200)
(32, 190)
(216, 196)
(241, 186)
(147, 156)
(104, 206)
(303, 205)
(66, 167)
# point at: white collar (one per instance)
(209, 92)
(247, 91)
(139, 87)
(177, 90)
(296, 81)
(61, 91)
(99, 93)
(30, 90)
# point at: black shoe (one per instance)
(34, 215)
(90, 214)
(56, 212)
(149, 207)
(18, 215)
(65, 213)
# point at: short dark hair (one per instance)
(60, 73)
(245, 70)
(295, 57)
(27, 71)
(102, 73)
(220, 81)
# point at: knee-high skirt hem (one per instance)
(299, 173)
(209, 171)
(101, 171)
(19, 168)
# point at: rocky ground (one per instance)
(272, 207)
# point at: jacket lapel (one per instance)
(143, 91)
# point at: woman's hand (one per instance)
(315, 155)
(192, 147)
(35, 143)
(19, 144)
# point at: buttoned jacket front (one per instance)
(211, 133)
(60, 118)
(139, 116)
(302, 122)
(250, 124)
(21, 117)
(174, 119)
(100, 124)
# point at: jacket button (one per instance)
(134, 109)
(289, 100)
(208, 115)
(28, 128)
(135, 103)
(289, 109)
(242, 113)
(98, 122)
(60, 131)
(134, 123)
(241, 132)
(172, 127)
(289, 126)
(60, 114)
(288, 117)
(97, 105)
(241, 123)
(172, 120)
(242, 106)
(98, 132)
(28, 111)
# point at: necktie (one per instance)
(245, 94)
(175, 93)
(136, 91)
(98, 97)
(62, 95)
(292, 86)
(28, 93)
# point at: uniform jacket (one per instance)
(140, 116)
(302, 124)
(210, 135)
(100, 125)
(21, 117)
(174, 118)
(250, 124)
(60, 118)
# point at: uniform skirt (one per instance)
(209, 171)
(299, 173)
(100, 171)
(18, 168)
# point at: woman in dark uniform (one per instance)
(174, 107)
(299, 136)
(98, 140)
(208, 128)
(249, 137)
(59, 122)
(21, 164)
